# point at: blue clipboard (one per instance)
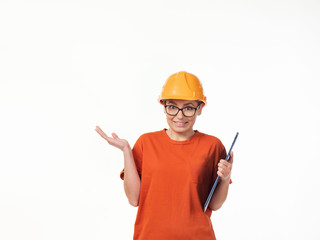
(205, 206)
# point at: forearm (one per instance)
(131, 178)
(220, 194)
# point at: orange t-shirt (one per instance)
(176, 178)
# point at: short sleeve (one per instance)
(137, 156)
(223, 153)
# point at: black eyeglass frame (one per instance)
(181, 109)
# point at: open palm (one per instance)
(114, 140)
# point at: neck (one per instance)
(180, 136)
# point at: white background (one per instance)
(67, 66)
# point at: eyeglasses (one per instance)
(186, 111)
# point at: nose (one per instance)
(180, 114)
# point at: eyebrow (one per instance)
(183, 104)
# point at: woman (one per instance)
(168, 174)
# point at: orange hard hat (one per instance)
(182, 85)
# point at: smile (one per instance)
(180, 124)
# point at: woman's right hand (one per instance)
(115, 141)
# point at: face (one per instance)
(179, 123)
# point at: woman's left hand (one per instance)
(224, 168)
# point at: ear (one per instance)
(199, 111)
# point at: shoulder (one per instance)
(210, 139)
(214, 145)
(149, 136)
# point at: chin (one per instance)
(184, 126)
(181, 129)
